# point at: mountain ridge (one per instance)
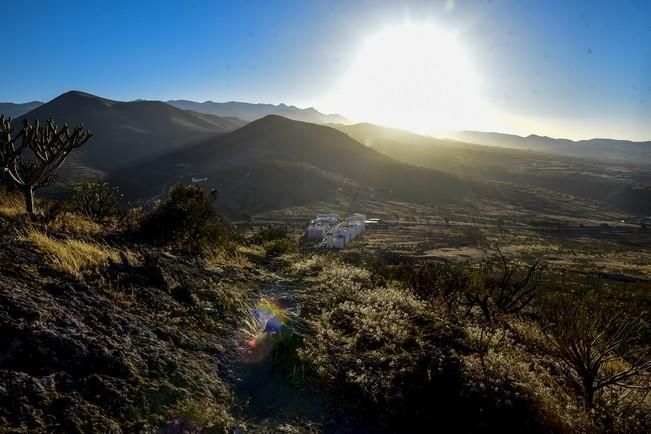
(126, 132)
(253, 111)
(596, 148)
(307, 162)
(14, 110)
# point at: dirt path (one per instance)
(271, 395)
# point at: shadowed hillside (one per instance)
(126, 132)
(276, 162)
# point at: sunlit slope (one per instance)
(275, 162)
(604, 149)
(614, 184)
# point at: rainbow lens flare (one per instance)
(262, 330)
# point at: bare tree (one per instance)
(505, 293)
(598, 350)
(514, 295)
(48, 147)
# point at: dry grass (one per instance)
(219, 257)
(75, 224)
(11, 205)
(72, 256)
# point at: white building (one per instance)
(338, 242)
(316, 232)
(337, 234)
(327, 218)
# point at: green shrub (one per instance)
(270, 233)
(96, 200)
(278, 247)
(187, 221)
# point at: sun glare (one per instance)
(412, 76)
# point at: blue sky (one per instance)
(562, 68)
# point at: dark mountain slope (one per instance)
(251, 112)
(281, 162)
(126, 132)
(14, 110)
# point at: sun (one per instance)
(412, 76)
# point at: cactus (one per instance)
(47, 147)
(8, 149)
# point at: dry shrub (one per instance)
(502, 373)
(407, 360)
(604, 356)
(338, 273)
(371, 339)
(70, 255)
(529, 334)
(308, 264)
(504, 379)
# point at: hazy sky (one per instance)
(558, 67)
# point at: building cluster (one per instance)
(335, 233)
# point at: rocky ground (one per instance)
(151, 343)
(133, 350)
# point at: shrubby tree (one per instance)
(96, 200)
(31, 158)
(441, 281)
(599, 348)
(505, 293)
(187, 220)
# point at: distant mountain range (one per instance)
(250, 112)
(576, 176)
(15, 110)
(275, 162)
(602, 149)
(126, 132)
(270, 163)
(241, 110)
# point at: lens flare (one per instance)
(262, 330)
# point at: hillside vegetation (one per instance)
(139, 324)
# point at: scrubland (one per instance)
(134, 323)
